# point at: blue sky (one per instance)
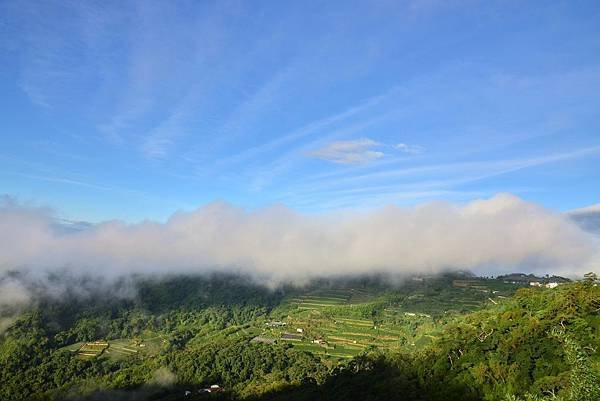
(133, 110)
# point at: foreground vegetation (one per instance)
(431, 338)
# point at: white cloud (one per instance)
(500, 234)
(355, 151)
(13, 297)
(409, 149)
(12, 293)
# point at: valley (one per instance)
(256, 343)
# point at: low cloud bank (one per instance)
(500, 234)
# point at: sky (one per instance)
(136, 110)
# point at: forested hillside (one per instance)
(432, 338)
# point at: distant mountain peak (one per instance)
(588, 218)
(595, 208)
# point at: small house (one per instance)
(215, 388)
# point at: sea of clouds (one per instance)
(275, 244)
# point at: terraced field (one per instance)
(342, 337)
(346, 321)
(87, 350)
(334, 323)
(122, 348)
(325, 298)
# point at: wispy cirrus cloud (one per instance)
(244, 102)
(311, 128)
(356, 151)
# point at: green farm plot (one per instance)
(330, 298)
(355, 334)
(122, 348)
(389, 329)
(310, 347)
(354, 322)
(116, 349)
(86, 350)
(348, 341)
(246, 332)
(317, 303)
(332, 350)
(344, 351)
(126, 347)
(322, 298)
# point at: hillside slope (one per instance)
(185, 334)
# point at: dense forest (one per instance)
(440, 338)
